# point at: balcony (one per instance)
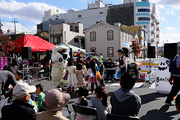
(157, 28)
(152, 24)
(152, 40)
(152, 32)
(157, 35)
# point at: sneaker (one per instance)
(169, 104)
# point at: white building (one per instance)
(71, 33)
(96, 12)
(107, 39)
(131, 12)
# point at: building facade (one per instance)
(130, 13)
(70, 33)
(107, 39)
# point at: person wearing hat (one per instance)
(20, 109)
(122, 61)
(54, 102)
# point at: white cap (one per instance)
(22, 89)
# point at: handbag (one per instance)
(65, 76)
(171, 80)
(118, 73)
(98, 75)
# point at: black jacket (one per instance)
(18, 110)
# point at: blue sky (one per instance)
(30, 12)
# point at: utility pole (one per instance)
(14, 21)
(0, 25)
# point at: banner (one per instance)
(3, 62)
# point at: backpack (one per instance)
(173, 68)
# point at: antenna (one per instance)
(14, 21)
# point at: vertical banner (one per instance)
(3, 62)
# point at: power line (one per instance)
(14, 21)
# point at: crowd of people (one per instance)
(20, 98)
(50, 104)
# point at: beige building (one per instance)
(107, 39)
(44, 35)
(70, 33)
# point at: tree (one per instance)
(6, 46)
(135, 48)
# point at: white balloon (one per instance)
(162, 76)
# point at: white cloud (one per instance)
(32, 11)
(170, 12)
(19, 28)
(85, 1)
(179, 17)
(163, 18)
(169, 38)
(170, 28)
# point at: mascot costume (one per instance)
(162, 77)
(59, 57)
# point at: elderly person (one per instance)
(54, 103)
(20, 109)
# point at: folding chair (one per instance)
(120, 117)
(85, 111)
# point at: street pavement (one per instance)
(152, 106)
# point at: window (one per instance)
(79, 16)
(76, 29)
(58, 40)
(142, 33)
(110, 52)
(93, 49)
(110, 35)
(54, 40)
(101, 13)
(143, 10)
(92, 36)
(143, 19)
(76, 40)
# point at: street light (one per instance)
(50, 29)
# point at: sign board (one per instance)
(125, 44)
(3, 62)
(145, 67)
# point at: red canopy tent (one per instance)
(36, 43)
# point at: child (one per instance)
(41, 96)
(83, 93)
(72, 79)
(92, 75)
(18, 76)
(124, 101)
(84, 68)
(100, 102)
(80, 76)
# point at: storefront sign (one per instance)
(3, 62)
(125, 44)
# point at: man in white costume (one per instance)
(59, 57)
